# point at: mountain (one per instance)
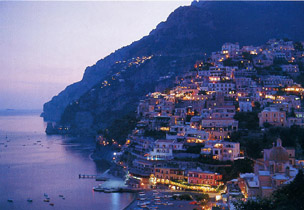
(112, 87)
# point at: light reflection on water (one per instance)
(32, 164)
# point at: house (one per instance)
(219, 128)
(231, 49)
(245, 104)
(163, 149)
(196, 136)
(273, 116)
(222, 150)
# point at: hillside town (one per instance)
(185, 138)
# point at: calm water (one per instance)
(32, 164)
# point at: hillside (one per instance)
(112, 87)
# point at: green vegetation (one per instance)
(194, 149)
(120, 128)
(298, 46)
(207, 159)
(237, 167)
(247, 120)
(155, 134)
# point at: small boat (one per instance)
(10, 200)
(46, 200)
(61, 196)
(29, 200)
(98, 189)
(51, 204)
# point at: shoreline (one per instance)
(133, 201)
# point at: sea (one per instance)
(34, 165)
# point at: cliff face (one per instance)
(167, 51)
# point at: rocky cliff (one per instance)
(113, 86)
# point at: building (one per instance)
(141, 168)
(169, 173)
(245, 104)
(219, 128)
(273, 116)
(292, 70)
(275, 169)
(222, 150)
(225, 87)
(230, 49)
(249, 185)
(197, 176)
(163, 149)
(196, 136)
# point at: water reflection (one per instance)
(32, 164)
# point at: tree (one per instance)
(260, 204)
(298, 46)
(202, 198)
(292, 195)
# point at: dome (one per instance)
(278, 153)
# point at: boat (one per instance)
(29, 200)
(10, 200)
(98, 189)
(61, 196)
(46, 200)
(52, 204)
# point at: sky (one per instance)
(45, 46)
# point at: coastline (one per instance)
(133, 201)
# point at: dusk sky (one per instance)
(45, 46)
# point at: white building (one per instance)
(224, 87)
(163, 149)
(222, 150)
(230, 48)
